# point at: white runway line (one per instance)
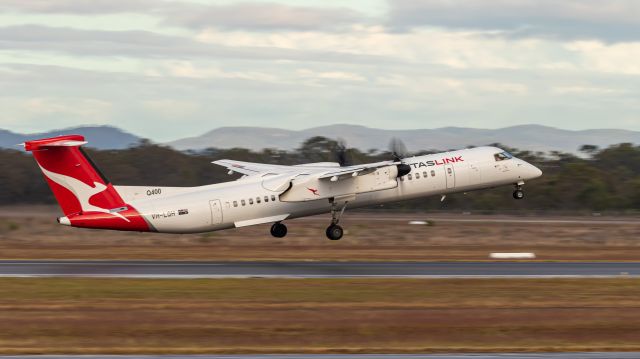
(512, 255)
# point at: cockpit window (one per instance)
(502, 156)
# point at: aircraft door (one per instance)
(475, 178)
(450, 174)
(216, 211)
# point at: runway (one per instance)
(612, 355)
(186, 269)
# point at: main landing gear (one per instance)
(334, 231)
(278, 230)
(518, 193)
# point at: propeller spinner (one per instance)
(399, 152)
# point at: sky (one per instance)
(167, 69)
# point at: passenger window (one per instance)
(250, 200)
(235, 203)
(266, 199)
(273, 198)
(449, 170)
(433, 173)
(409, 177)
(418, 175)
(257, 199)
(243, 202)
(425, 174)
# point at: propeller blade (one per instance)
(398, 149)
(341, 153)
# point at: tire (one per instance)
(278, 230)
(334, 232)
(518, 194)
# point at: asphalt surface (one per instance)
(184, 269)
(358, 356)
(475, 218)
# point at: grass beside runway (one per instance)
(99, 316)
(369, 237)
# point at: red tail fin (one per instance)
(76, 183)
(85, 195)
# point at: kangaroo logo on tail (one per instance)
(82, 191)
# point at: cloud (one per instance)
(93, 7)
(262, 17)
(80, 107)
(194, 97)
(195, 66)
(318, 78)
(187, 69)
(171, 108)
(585, 90)
(611, 20)
(146, 44)
(29, 113)
(257, 16)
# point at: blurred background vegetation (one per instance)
(598, 180)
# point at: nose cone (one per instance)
(533, 172)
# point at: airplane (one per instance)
(265, 193)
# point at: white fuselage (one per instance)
(257, 199)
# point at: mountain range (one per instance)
(528, 137)
(101, 137)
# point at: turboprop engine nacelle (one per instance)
(310, 188)
(403, 169)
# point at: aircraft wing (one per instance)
(315, 181)
(250, 168)
(346, 172)
(324, 170)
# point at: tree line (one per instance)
(600, 179)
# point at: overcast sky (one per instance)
(170, 69)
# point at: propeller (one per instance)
(398, 149)
(341, 153)
(399, 152)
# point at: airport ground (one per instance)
(143, 316)
(337, 315)
(31, 233)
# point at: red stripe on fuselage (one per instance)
(115, 221)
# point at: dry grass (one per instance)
(317, 315)
(34, 234)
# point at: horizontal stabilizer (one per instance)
(60, 141)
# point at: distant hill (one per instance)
(527, 137)
(101, 137)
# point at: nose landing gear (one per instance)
(518, 193)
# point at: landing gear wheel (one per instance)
(334, 232)
(278, 230)
(518, 194)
